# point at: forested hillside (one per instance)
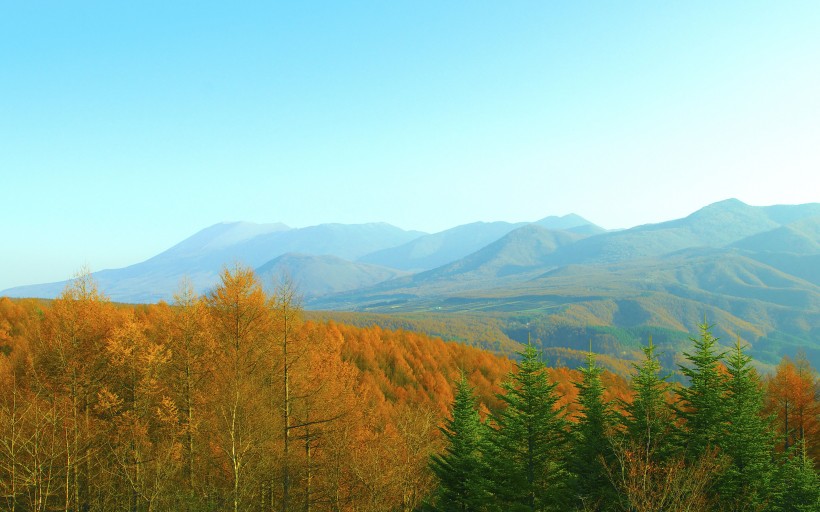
(234, 401)
(224, 402)
(752, 269)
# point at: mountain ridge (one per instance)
(201, 256)
(754, 270)
(716, 262)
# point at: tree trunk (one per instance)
(286, 414)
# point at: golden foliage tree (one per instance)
(240, 324)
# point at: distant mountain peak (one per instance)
(473, 255)
(727, 205)
(570, 220)
(732, 201)
(751, 218)
(224, 234)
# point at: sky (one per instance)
(126, 127)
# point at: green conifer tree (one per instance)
(458, 469)
(652, 475)
(748, 441)
(703, 401)
(649, 418)
(797, 483)
(526, 460)
(591, 452)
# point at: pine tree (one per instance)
(651, 474)
(591, 451)
(797, 483)
(526, 445)
(703, 401)
(458, 469)
(748, 441)
(649, 417)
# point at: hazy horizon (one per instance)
(86, 266)
(129, 127)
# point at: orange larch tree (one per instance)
(792, 398)
(70, 359)
(240, 321)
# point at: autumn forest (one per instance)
(233, 401)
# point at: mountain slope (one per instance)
(716, 225)
(755, 271)
(315, 276)
(504, 261)
(523, 249)
(799, 237)
(432, 251)
(201, 256)
(438, 249)
(220, 236)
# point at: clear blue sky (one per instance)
(128, 126)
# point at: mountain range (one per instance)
(752, 270)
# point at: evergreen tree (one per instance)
(702, 402)
(591, 451)
(649, 417)
(527, 468)
(797, 484)
(651, 474)
(458, 469)
(748, 441)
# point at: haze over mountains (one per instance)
(201, 257)
(755, 271)
(345, 256)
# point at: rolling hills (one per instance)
(753, 271)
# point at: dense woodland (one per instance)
(232, 401)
